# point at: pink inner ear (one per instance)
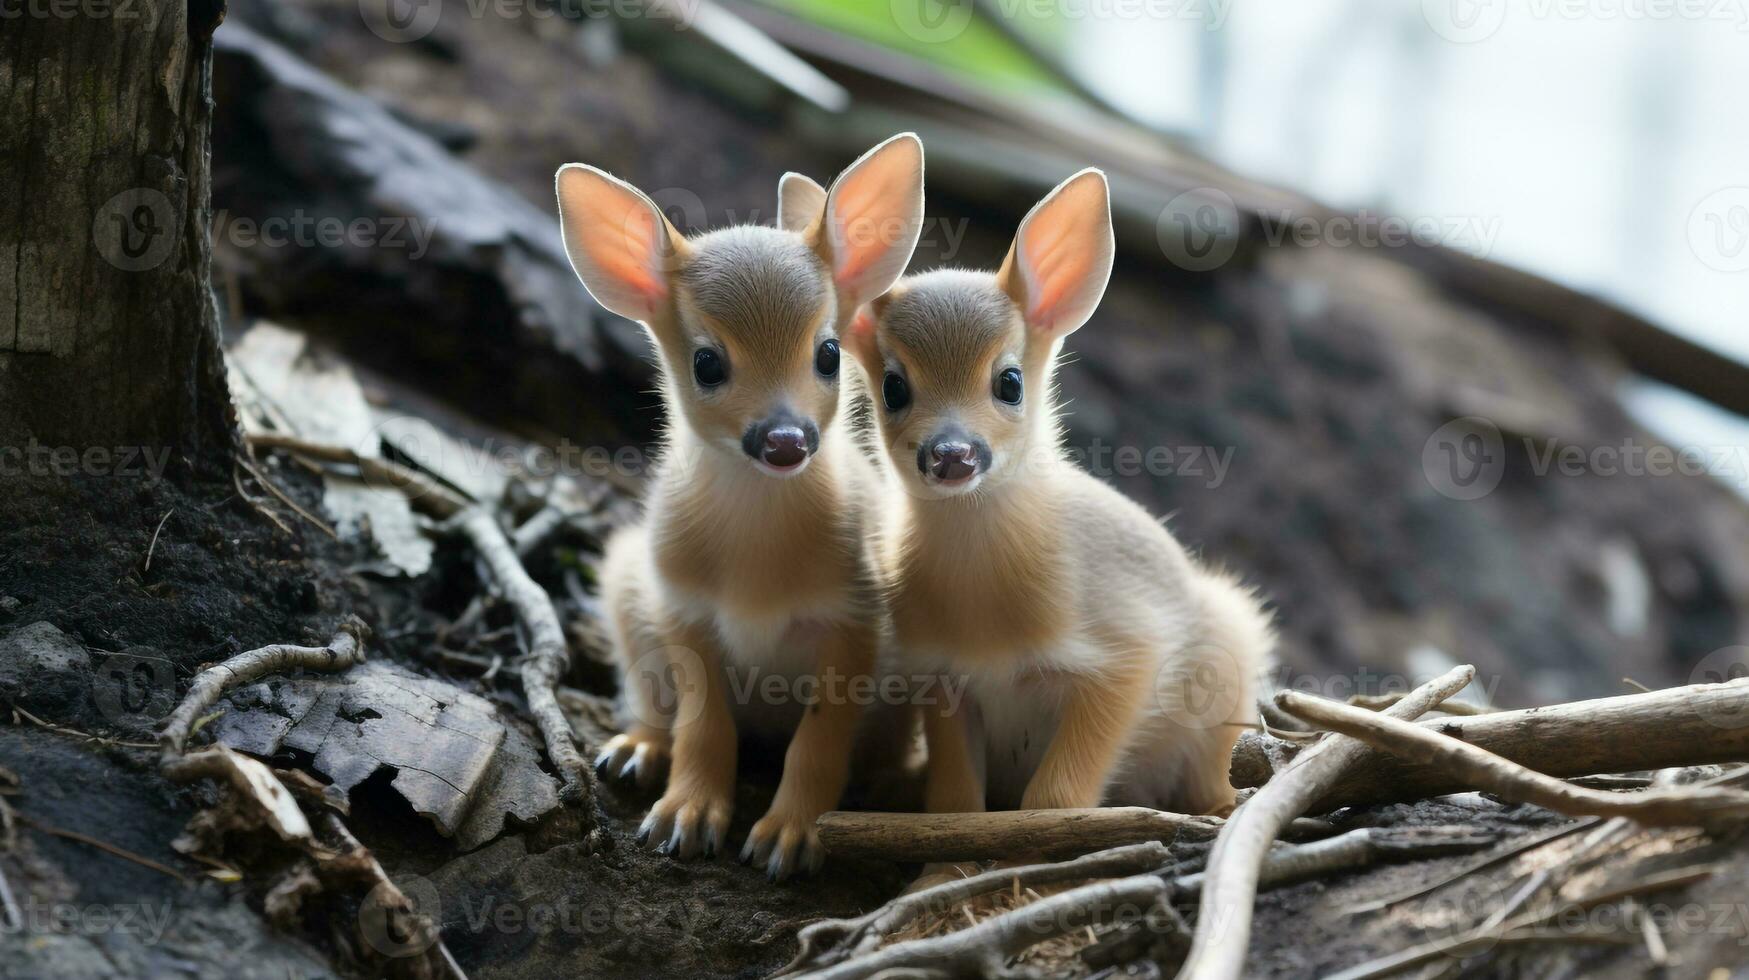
(1054, 266)
(634, 263)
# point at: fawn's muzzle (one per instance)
(952, 456)
(782, 441)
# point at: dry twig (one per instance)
(548, 656)
(1223, 928)
(1683, 726)
(345, 650)
(1481, 769)
(1005, 834)
(824, 944)
(985, 948)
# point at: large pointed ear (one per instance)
(619, 242)
(1060, 262)
(874, 214)
(799, 202)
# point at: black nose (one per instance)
(952, 460)
(785, 446)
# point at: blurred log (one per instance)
(452, 280)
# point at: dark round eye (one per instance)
(1008, 386)
(895, 392)
(709, 367)
(826, 359)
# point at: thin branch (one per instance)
(107, 848)
(548, 655)
(1223, 927)
(345, 650)
(835, 940)
(984, 949)
(420, 490)
(1481, 769)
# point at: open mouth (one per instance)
(956, 484)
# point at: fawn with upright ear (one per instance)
(1104, 664)
(751, 561)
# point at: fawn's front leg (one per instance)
(817, 764)
(1098, 716)
(953, 783)
(692, 817)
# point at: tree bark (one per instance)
(108, 331)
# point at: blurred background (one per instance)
(1428, 316)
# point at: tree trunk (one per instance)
(108, 333)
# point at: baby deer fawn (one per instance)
(752, 560)
(1104, 665)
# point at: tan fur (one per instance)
(740, 572)
(1104, 664)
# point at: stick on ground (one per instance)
(1481, 769)
(1223, 927)
(835, 940)
(1006, 834)
(984, 949)
(345, 650)
(548, 656)
(1683, 726)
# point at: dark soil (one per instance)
(222, 580)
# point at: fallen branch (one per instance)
(345, 650)
(1223, 927)
(547, 660)
(1685, 726)
(420, 490)
(833, 941)
(1477, 768)
(1004, 834)
(1355, 849)
(985, 948)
